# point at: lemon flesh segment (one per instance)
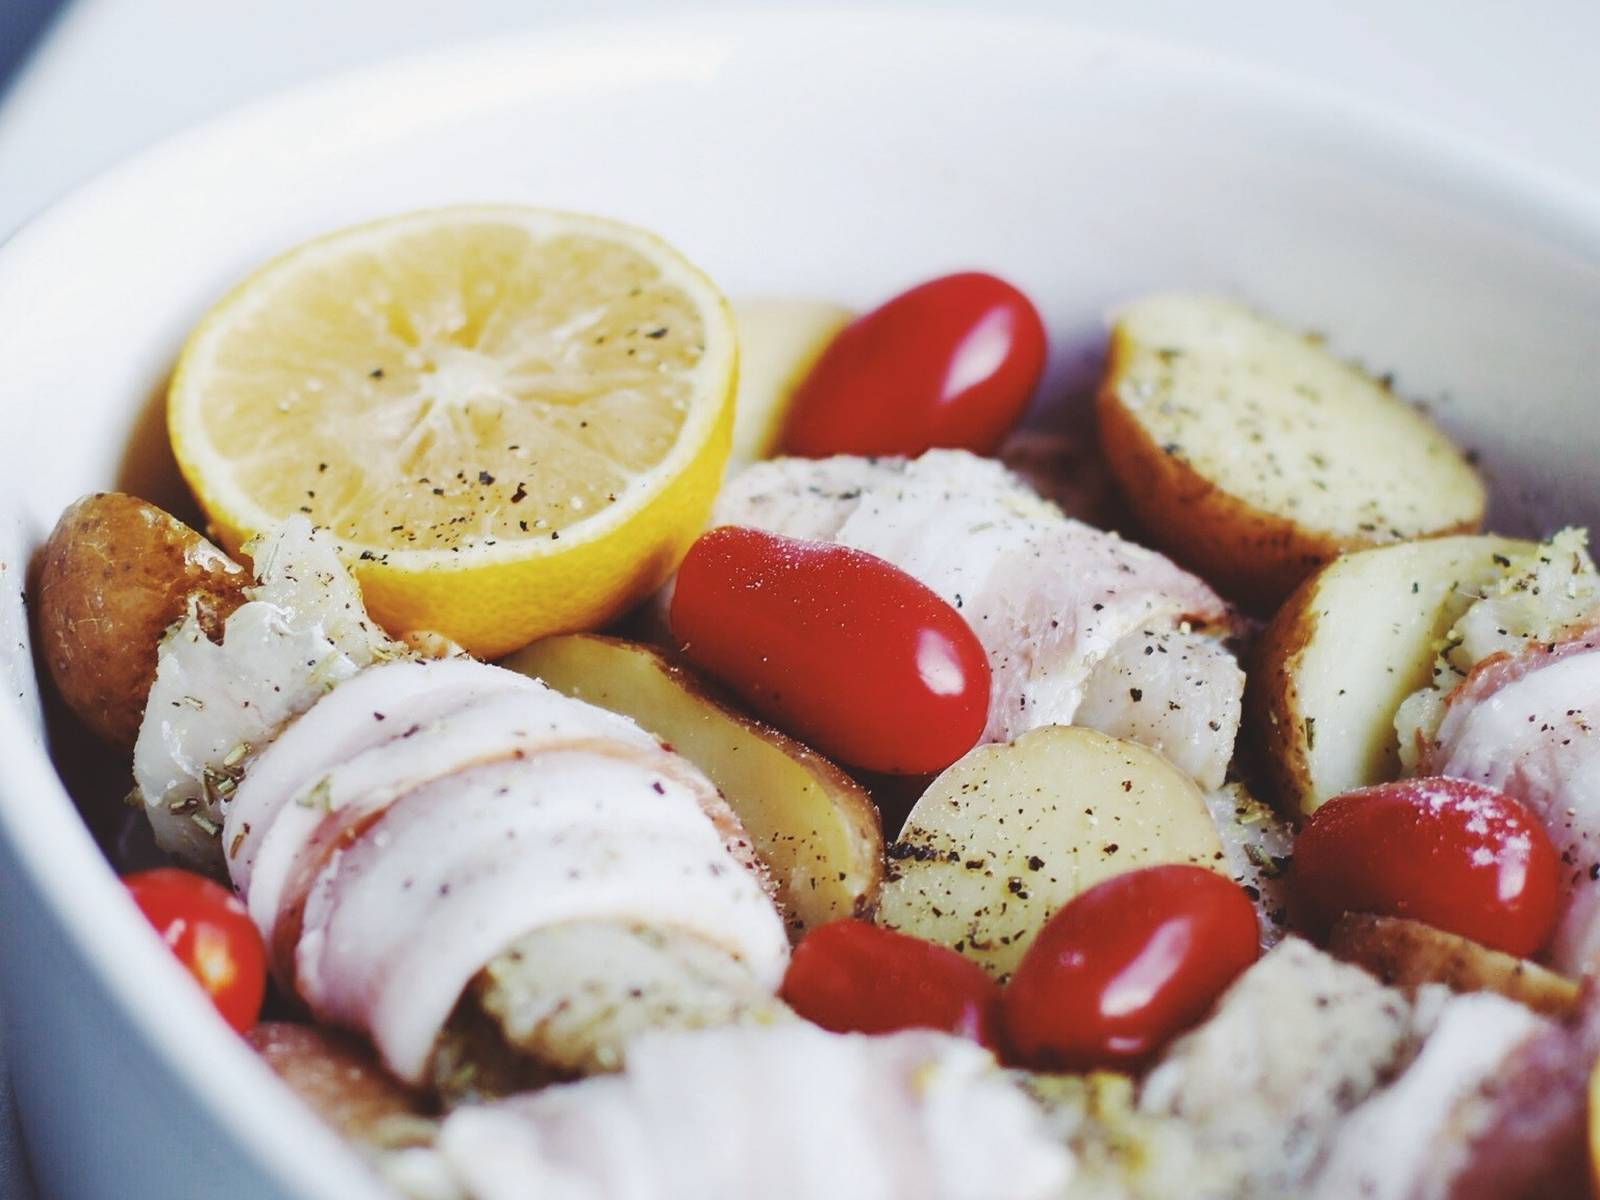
(513, 420)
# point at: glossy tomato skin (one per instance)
(952, 362)
(1450, 853)
(839, 648)
(1127, 965)
(852, 977)
(212, 935)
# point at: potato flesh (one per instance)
(1347, 649)
(814, 828)
(574, 995)
(1012, 831)
(1277, 421)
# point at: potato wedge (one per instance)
(1407, 954)
(1012, 831)
(1252, 455)
(813, 826)
(779, 342)
(114, 574)
(1346, 648)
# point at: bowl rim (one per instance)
(61, 863)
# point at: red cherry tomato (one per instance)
(1457, 855)
(852, 977)
(1127, 965)
(839, 648)
(212, 935)
(952, 363)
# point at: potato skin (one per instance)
(1272, 720)
(1345, 650)
(115, 573)
(1255, 487)
(343, 1083)
(1407, 954)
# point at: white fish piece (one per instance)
(785, 1105)
(1400, 1143)
(1295, 1044)
(1257, 845)
(1174, 690)
(1047, 597)
(1120, 1152)
(397, 925)
(808, 498)
(302, 631)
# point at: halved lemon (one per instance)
(514, 420)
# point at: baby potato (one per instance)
(1351, 643)
(115, 573)
(1012, 831)
(1253, 455)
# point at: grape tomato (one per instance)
(949, 363)
(1125, 966)
(852, 977)
(835, 646)
(209, 931)
(1450, 853)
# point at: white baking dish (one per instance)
(834, 154)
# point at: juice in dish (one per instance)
(567, 918)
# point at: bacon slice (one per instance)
(399, 923)
(776, 1113)
(424, 816)
(272, 810)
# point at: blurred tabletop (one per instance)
(107, 77)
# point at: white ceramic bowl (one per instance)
(839, 155)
